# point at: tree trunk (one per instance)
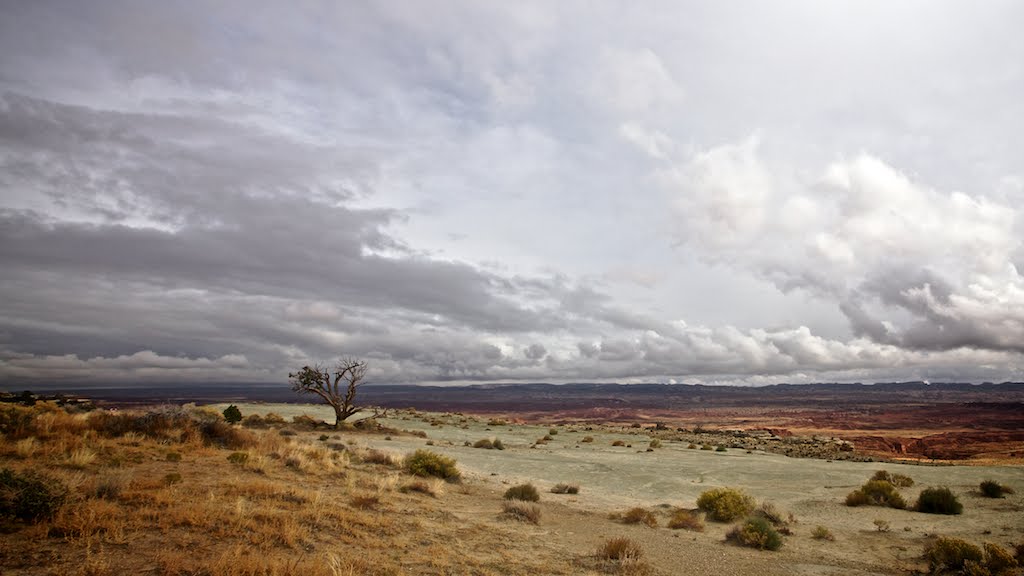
(338, 415)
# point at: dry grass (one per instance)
(521, 511)
(640, 516)
(261, 516)
(683, 519)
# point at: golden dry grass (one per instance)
(293, 506)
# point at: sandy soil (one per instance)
(616, 478)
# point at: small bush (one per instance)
(725, 504)
(433, 487)
(640, 516)
(772, 514)
(525, 492)
(999, 561)
(488, 444)
(238, 458)
(822, 533)
(881, 525)
(232, 414)
(172, 478)
(950, 554)
(691, 446)
(938, 501)
(427, 463)
(655, 443)
(993, 489)
(587, 439)
(30, 496)
(522, 511)
(365, 502)
(898, 480)
(756, 533)
(707, 447)
(876, 493)
(374, 456)
(562, 488)
(721, 449)
(620, 549)
(253, 421)
(686, 520)
(173, 457)
(553, 431)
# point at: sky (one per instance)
(706, 192)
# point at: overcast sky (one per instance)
(703, 192)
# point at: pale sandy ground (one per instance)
(616, 478)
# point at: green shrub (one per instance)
(238, 457)
(232, 414)
(822, 533)
(938, 501)
(640, 516)
(721, 449)
(525, 492)
(756, 533)
(522, 511)
(30, 496)
(562, 488)
(898, 480)
(876, 493)
(686, 520)
(725, 504)
(950, 555)
(993, 489)
(488, 444)
(707, 447)
(427, 463)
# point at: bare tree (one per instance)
(337, 388)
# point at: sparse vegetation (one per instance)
(683, 519)
(427, 463)
(618, 443)
(238, 458)
(881, 525)
(876, 493)
(524, 492)
(756, 532)
(489, 444)
(521, 511)
(721, 449)
(587, 439)
(339, 392)
(655, 443)
(707, 447)
(725, 504)
(993, 489)
(939, 500)
(639, 516)
(562, 488)
(620, 549)
(822, 533)
(898, 480)
(952, 555)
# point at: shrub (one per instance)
(822, 533)
(525, 492)
(721, 449)
(938, 501)
(374, 456)
(427, 463)
(173, 457)
(655, 443)
(365, 501)
(686, 520)
(756, 533)
(881, 525)
(522, 511)
(172, 478)
(993, 489)
(725, 504)
(898, 480)
(876, 493)
(562, 488)
(30, 496)
(238, 457)
(620, 549)
(706, 447)
(553, 431)
(232, 414)
(253, 421)
(433, 487)
(691, 446)
(999, 561)
(224, 435)
(950, 554)
(488, 444)
(587, 439)
(640, 516)
(773, 515)
(618, 443)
